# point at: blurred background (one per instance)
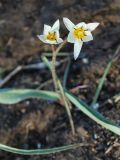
(20, 125)
(21, 21)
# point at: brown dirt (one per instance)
(39, 124)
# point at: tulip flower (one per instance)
(51, 34)
(79, 33)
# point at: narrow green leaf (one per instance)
(101, 83)
(93, 114)
(37, 151)
(47, 62)
(66, 73)
(12, 96)
(8, 96)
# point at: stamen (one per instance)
(51, 36)
(79, 33)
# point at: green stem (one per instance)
(54, 76)
(55, 52)
(67, 106)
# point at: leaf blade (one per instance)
(37, 151)
(93, 114)
(12, 96)
(101, 83)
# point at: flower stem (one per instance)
(54, 76)
(58, 86)
(55, 52)
(67, 106)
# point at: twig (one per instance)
(45, 83)
(10, 75)
(26, 67)
(115, 144)
(20, 68)
(75, 89)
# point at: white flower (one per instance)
(51, 34)
(78, 34)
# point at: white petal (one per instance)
(47, 28)
(92, 26)
(59, 40)
(77, 48)
(57, 34)
(42, 38)
(51, 42)
(82, 24)
(56, 26)
(70, 38)
(69, 25)
(88, 37)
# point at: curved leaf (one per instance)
(37, 151)
(8, 96)
(101, 83)
(12, 96)
(93, 114)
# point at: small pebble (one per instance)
(38, 145)
(85, 60)
(96, 106)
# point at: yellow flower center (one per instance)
(79, 33)
(51, 36)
